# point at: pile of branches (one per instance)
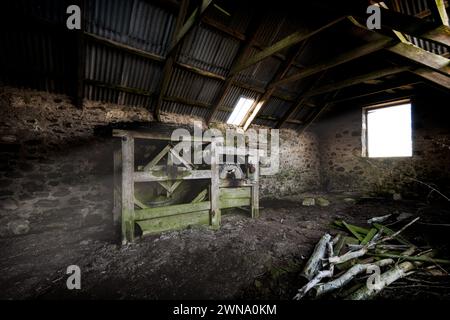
(359, 262)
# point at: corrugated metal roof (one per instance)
(46, 56)
(208, 50)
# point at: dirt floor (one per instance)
(252, 259)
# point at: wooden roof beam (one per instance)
(281, 72)
(243, 51)
(287, 42)
(302, 99)
(340, 59)
(356, 80)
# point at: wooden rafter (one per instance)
(439, 11)
(287, 42)
(191, 22)
(300, 102)
(414, 26)
(242, 52)
(356, 80)
(335, 61)
(423, 57)
(390, 86)
(281, 72)
(180, 32)
(168, 65)
(434, 77)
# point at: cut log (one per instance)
(321, 275)
(399, 271)
(315, 261)
(348, 276)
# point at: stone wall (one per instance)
(343, 168)
(56, 161)
(299, 166)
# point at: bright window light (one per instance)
(389, 131)
(240, 110)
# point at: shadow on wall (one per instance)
(47, 186)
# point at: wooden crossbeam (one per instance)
(356, 80)
(158, 157)
(378, 89)
(423, 57)
(168, 65)
(281, 72)
(181, 31)
(300, 102)
(414, 26)
(287, 42)
(242, 52)
(434, 77)
(440, 11)
(335, 61)
(191, 22)
(123, 47)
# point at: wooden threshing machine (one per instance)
(156, 189)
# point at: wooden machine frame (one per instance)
(223, 193)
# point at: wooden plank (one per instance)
(390, 86)
(255, 189)
(214, 187)
(433, 76)
(143, 176)
(192, 20)
(175, 222)
(369, 236)
(353, 231)
(138, 203)
(440, 6)
(127, 190)
(423, 57)
(222, 28)
(123, 47)
(175, 185)
(117, 186)
(168, 65)
(287, 42)
(356, 80)
(142, 134)
(414, 26)
(158, 158)
(166, 211)
(340, 59)
(199, 71)
(234, 203)
(440, 35)
(120, 88)
(200, 197)
(233, 193)
(186, 163)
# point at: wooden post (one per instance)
(255, 187)
(117, 187)
(127, 189)
(214, 189)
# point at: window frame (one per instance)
(365, 126)
(247, 113)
